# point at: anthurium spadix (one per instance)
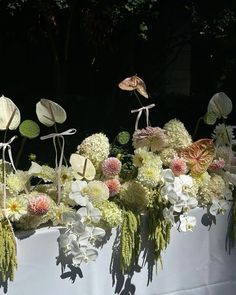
(82, 166)
(220, 105)
(49, 112)
(9, 114)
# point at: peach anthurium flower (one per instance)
(199, 155)
(134, 83)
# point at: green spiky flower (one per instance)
(29, 129)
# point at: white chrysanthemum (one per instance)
(67, 174)
(223, 134)
(47, 173)
(16, 207)
(215, 188)
(149, 175)
(178, 136)
(16, 182)
(95, 147)
(141, 157)
(167, 155)
(135, 195)
(96, 191)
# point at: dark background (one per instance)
(76, 52)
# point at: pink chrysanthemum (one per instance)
(111, 167)
(113, 186)
(39, 205)
(178, 166)
(217, 164)
(154, 138)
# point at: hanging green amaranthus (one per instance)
(8, 259)
(130, 240)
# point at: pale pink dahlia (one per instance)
(113, 186)
(111, 167)
(39, 205)
(178, 166)
(154, 138)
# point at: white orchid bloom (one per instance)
(168, 214)
(95, 233)
(73, 222)
(168, 175)
(219, 206)
(89, 214)
(66, 239)
(85, 255)
(76, 192)
(187, 222)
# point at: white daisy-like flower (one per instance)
(16, 207)
(223, 135)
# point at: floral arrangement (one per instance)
(156, 176)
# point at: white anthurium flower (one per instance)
(89, 214)
(168, 214)
(220, 104)
(219, 206)
(187, 222)
(49, 112)
(35, 168)
(82, 167)
(8, 111)
(85, 255)
(76, 188)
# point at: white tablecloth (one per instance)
(193, 264)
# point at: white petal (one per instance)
(35, 168)
(220, 104)
(7, 108)
(49, 112)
